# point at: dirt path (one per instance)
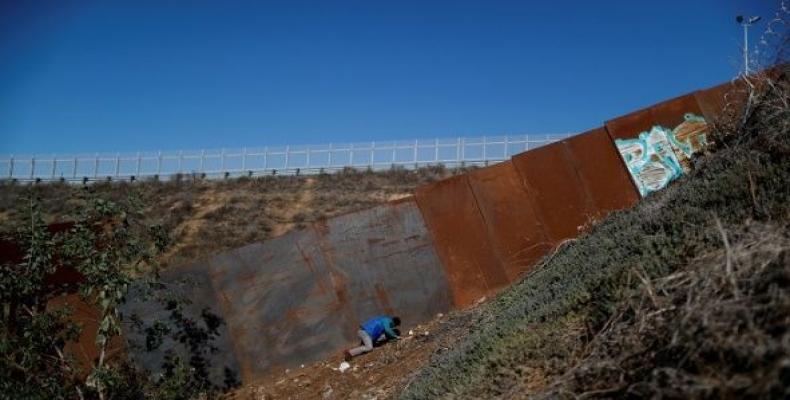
(299, 206)
(207, 203)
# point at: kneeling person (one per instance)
(376, 329)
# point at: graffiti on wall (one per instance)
(658, 156)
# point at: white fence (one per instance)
(287, 160)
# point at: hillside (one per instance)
(687, 295)
(204, 217)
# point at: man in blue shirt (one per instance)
(376, 329)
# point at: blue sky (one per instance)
(85, 76)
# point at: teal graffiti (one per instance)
(659, 156)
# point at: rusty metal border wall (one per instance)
(516, 233)
(459, 234)
(299, 297)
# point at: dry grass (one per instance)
(207, 216)
(716, 329)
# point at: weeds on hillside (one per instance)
(747, 178)
(717, 329)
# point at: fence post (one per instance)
(117, 164)
(266, 157)
(180, 161)
(222, 161)
(485, 157)
(463, 149)
(202, 161)
(76, 160)
(394, 147)
(11, 167)
(330, 156)
(351, 155)
(96, 166)
(458, 152)
(54, 165)
(32, 167)
(243, 159)
(159, 163)
(287, 149)
(139, 162)
(308, 158)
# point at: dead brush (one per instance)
(717, 329)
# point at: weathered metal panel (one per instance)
(459, 233)
(280, 301)
(514, 229)
(725, 99)
(84, 350)
(300, 297)
(560, 199)
(192, 284)
(602, 172)
(657, 143)
(386, 259)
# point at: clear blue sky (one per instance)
(84, 76)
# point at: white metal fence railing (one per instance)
(272, 160)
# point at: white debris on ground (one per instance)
(344, 366)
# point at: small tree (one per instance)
(111, 246)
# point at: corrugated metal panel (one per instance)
(514, 229)
(602, 172)
(459, 234)
(190, 283)
(560, 199)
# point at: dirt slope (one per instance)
(205, 217)
(382, 373)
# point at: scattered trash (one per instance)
(302, 366)
(287, 371)
(411, 333)
(426, 333)
(344, 366)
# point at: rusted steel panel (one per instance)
(302, 296)
(280, 302)
(387, 261)
(514, 229)
(552, 181)
(657, 143)
(459, 233)
(192, 284)
(602, 172)
(84, 350)
(723, 100)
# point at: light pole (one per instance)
(746, 22)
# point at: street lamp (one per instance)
(746, 22)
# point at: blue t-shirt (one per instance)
(377, 326)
